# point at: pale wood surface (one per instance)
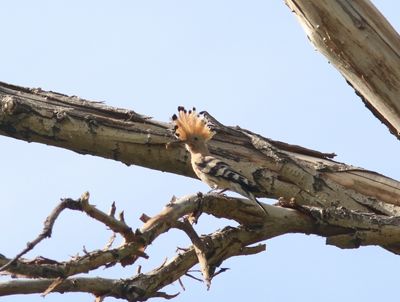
(359, 42)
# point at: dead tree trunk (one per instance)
(362, 45)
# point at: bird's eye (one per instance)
(196, 138)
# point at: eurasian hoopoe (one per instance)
(193, 130)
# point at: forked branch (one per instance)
(339, 226)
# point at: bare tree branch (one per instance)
(358, 40)
(46, 232)
(200, 248)
(279, 169)
(342, 227)
(95, 286)
(314, 185)
(349, 206)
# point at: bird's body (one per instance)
(219, 175)
(193, 130)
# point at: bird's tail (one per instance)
(261, 206)
(253, 198)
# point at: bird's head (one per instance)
(192, 129)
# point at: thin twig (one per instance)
(53, 286)
(46, 232)
(110, 242)
(221, 270)
(80, 205)
(181, 284)
(165, 295)
(193, 277)
(118, 226)
(113, 209)
(200, 249)
(216, 247)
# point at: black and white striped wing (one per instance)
(224, 177)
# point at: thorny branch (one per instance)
(343, 228)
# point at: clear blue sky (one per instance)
(246, 62)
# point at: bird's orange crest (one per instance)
(190, 124)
